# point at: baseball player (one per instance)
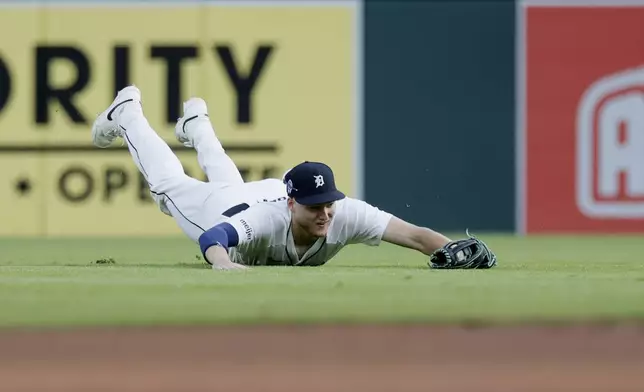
(301, 220)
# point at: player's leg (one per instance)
(194, 129)
(179, 194)
(125, 118)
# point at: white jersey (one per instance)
(265, 236)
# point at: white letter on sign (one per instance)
(616, 103)
(621, 146)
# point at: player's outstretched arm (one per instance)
(408, 235)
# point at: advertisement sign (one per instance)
(583, 117)
(279, 79)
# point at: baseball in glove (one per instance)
(468, 253)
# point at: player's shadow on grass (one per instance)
(207, 266)
(204, 265)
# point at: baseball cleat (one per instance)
(194, 109)
(105, 128)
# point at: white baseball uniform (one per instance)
(265, 236)
(195, 205)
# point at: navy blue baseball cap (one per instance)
(311, 183)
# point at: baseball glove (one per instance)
(468, 253)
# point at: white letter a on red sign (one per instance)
(610, 147)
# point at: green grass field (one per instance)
(161, 281)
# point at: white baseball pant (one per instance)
(195, 205)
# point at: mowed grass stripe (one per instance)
(56, 282)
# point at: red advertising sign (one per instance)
(582, 118)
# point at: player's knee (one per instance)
(161, 202)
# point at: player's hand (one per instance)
(218, 257)
(229, 266)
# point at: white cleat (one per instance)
(105, 128)
(194, 109)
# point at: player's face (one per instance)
(315, 219)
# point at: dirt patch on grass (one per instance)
(325, 358)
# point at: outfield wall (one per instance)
(488, 115)
(439, 112)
